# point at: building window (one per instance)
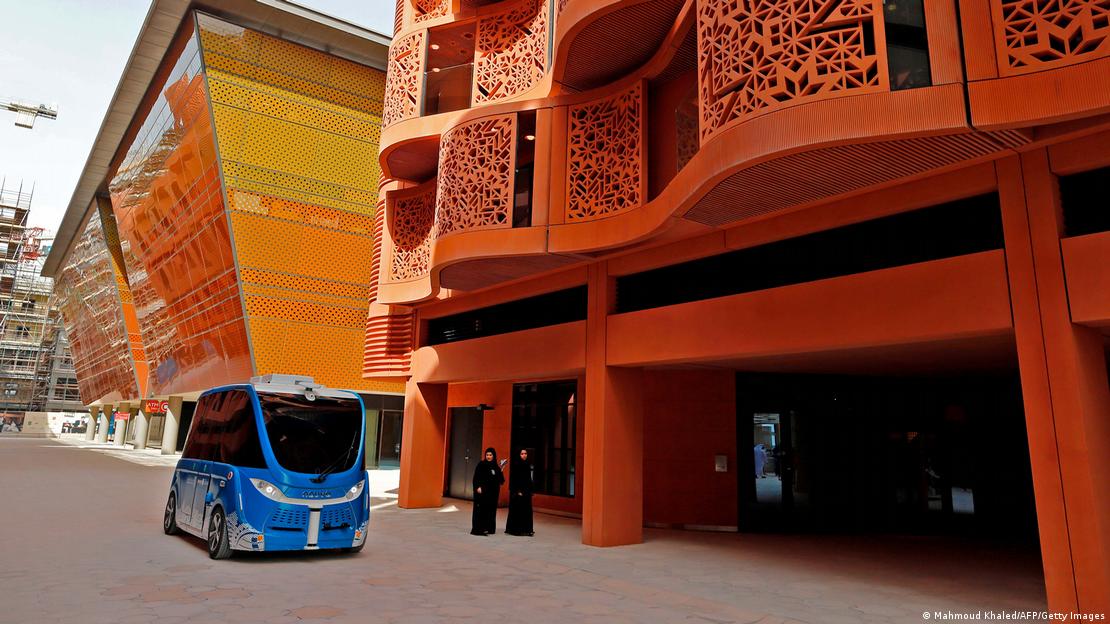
(563, 306)
(907, 44)
(545, 422)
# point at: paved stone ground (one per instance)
(81, 541)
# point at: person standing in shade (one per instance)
(487, 489)
(520, 496)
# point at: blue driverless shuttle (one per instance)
(273, 465)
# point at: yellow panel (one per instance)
(298, 134)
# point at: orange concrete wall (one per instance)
(689, 417)
(1087, 266)
(944, 299)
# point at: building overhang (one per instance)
(288, 20)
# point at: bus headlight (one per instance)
(269, 490)
(355, 490)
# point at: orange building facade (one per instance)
(231, 233)
(862, 247)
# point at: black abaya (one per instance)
(488, 478)
(520, 499)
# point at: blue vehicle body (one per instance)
(269, 507)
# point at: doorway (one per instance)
(389, 449)
(911, 456)
(466, 451)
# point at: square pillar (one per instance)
(94, 415)
(613, 493)
(423, 445)
(142, 426)
(173, 421)
(1065, 389)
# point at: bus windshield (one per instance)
(312, 436)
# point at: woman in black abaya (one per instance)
(520, 496)
(487, 488)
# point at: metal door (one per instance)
(200, 494)
(186, 486)
(466, 451)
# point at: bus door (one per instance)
(202, 442)
(186, 486)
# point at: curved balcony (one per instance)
(449, 55)
(1036, 61)
(595, 45)
(743, 123)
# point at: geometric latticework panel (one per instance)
(168, 203)
(424, 10)
(605, 149)
(475, 185)
(1041, 34)
(404, 79)
(412, 214)
(298, 133)
(765, 54)
(511, 51)
(388, 344)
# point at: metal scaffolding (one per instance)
(30, 327)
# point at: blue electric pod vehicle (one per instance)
(273, 465)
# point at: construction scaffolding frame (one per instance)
(29, 323)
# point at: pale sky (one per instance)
(70, 53)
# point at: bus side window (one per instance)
(194, 442)
(208, 429)
(239, 445)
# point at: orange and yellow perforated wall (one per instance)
(245, 204)
(298, 132)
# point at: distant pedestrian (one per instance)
(520, 496)
(487, 489)
(760, 460)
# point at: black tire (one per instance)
(169, 519)
(218, 547)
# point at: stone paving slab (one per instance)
(81, 541)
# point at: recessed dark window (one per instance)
(1084, 198)
(953, 229)
(907, 44)
(555, 308)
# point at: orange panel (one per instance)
(1087, 265)
(107, 352)
(298, 135)
(168, 201)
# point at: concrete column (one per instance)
(94, 415)
(1065, 390)
(142, 425)
(173, 420)
(121, 425)
(102, 428)
(613, 470)
(423, 445)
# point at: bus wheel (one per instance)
(218, 548)
(169, 522)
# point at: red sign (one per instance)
(157, 407)
(122, 415)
